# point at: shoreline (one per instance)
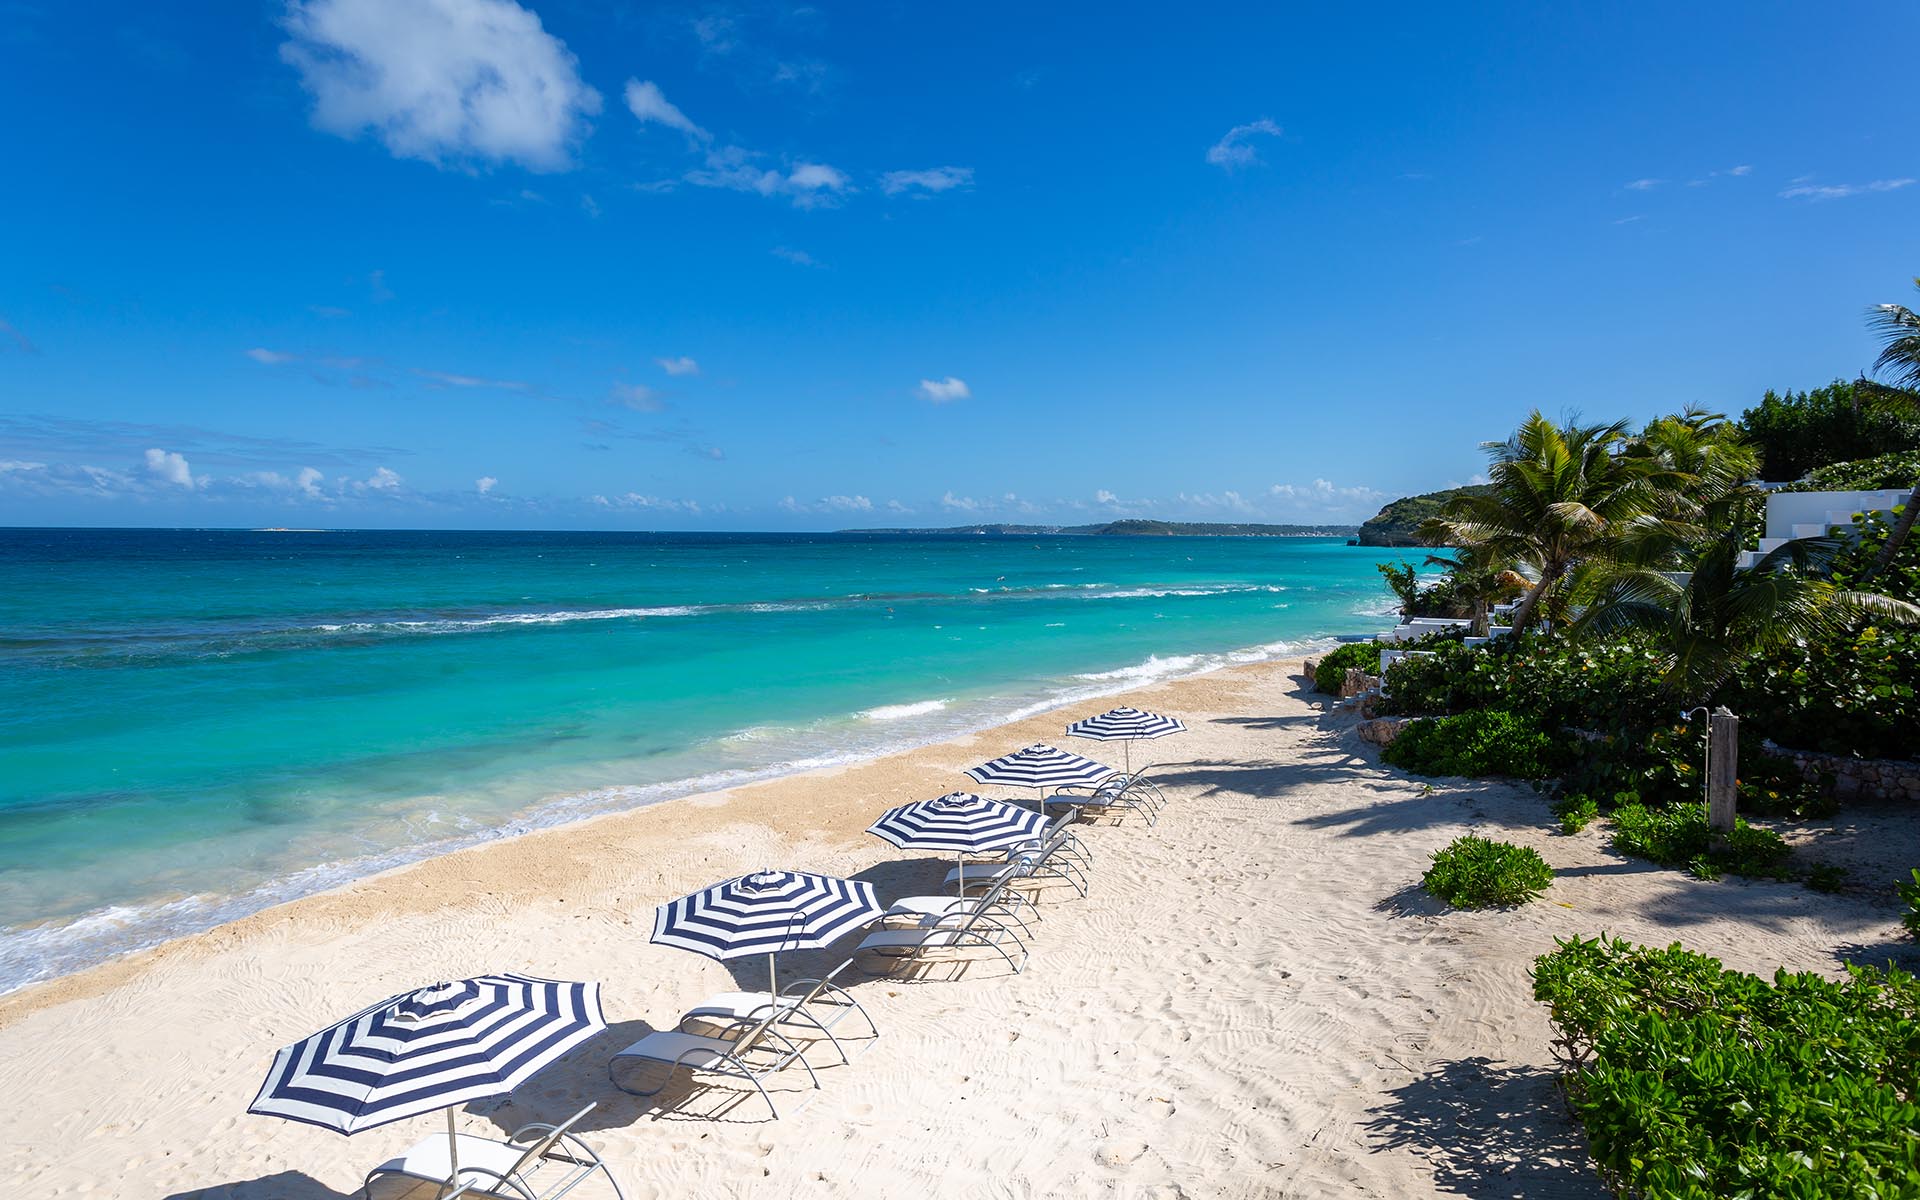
(91, 979)
(563, 809)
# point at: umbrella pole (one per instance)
(773, 987)
(453, 1151)
(960, 865)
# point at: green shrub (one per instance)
(1696, 1081)
(1476, 873)
(1576, 813)
(1475, 744)
(1799, 431)
(1662, 765)
(1332, 670)
(1885, 472)
(1678, 836)
(1910, 892)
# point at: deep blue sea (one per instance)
(195, 724)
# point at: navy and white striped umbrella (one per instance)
(961, 822)
(1040, 766)
(434, 1048)
(765, 913)
(1127, 726)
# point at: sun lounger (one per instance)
(757, 1052)
(998, 902)
(804, 1006)
(954, 938)
(539, 1162)
(1052, 861)
(1118, 792)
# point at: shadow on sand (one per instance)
(1489, 1130)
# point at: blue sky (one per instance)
(565, 264)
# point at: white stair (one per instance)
(1812, 531)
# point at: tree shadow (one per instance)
(1902, 954)
(281, 1185)
(1413, 900)
(1489, 1130)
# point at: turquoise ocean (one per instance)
(197, 724)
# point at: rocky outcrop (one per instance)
(1357, 682)
(1382, 731)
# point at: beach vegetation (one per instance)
(1576, 813)
(1473, 872)
(1474, 744)
(1677, 836)
(1910, 896)
(1331, 671)
(1798, 433)
(1693, 1080)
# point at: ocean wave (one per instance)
(468, 624)
(895, 712)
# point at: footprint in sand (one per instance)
(1158, 1107)
(1118, 1154)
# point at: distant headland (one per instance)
(1127, 528)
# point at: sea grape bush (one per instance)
(1473, 872)
(1910, 893)
(1332, 670)
(1696, 1081)
(1493, 742)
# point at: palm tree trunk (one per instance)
(1898, 537)
(1523, 616)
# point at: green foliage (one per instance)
(1678, 836)
(1403, 582)
(1593, 685)
(1695, 1081)
(1851, 691)
(1796, 432)
(1576, 813)
(1332, 670)
(1662, 765)
(1896, 470)
(1491, 742)
(1398, 524)
(1476, 873)
(1910, 892)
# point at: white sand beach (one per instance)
(1255, 1000)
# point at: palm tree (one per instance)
(1899, 330)
(1719, 615)
(1480, 580)
(1559, 496)
(1402, 582)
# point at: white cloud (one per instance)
(953, 503)
(383, 479)
(806, 184)
(799, 258)
(1103, 496)
(1642, 185)
(1236, 149)
(933, 180)
(646, 102)
(1323, 493)
(441, 80)
(679, 366)
(895, 506)
(658, 503)
(171, 468)
(638, 397)
(485, 484)
(1804, 190)
(449, 379)
(308, 481)
(271, 358)
(590, 206)
(846, 504)
(944, 391)
(1231, 501)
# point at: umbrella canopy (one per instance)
(434, 1048)
(1126, 725)
(1040, 766)
(959, 821)
(765, 913)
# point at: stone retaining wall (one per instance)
(1857, 778)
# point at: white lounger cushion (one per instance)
(428, 1160)
(740, 1006)
(667, 1046)
(908, 938)
(938, 906)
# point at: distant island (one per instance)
(1398, 524)
(1127, 528)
